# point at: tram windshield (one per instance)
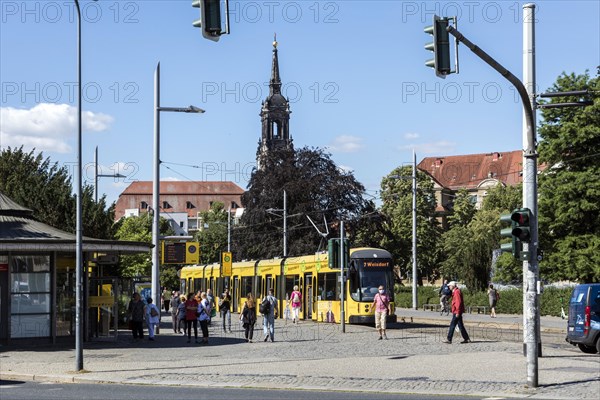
(364, 282)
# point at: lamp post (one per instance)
(97, 175)
(156, 182)
(414, 227)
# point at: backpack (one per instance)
(153, 312)
(446, 291)
(265, 306)
(296, 298)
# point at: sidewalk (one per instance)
(320, 357)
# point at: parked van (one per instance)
(583, 328)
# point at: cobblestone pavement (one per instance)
(320, 356)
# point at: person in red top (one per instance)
(191, 307)
(381, 304)
(296, 300)
(458, 309)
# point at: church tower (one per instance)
(275, 114)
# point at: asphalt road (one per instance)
(19, 390)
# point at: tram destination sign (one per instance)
(377, 263)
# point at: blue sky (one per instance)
(353, 71)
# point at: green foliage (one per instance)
(45, 188)
(138, 229)
(213, 233)
(569, 210)
(503, 198)
(169, 278)
(314, 185)
(463, 210)
(510, 302)
(396, 194)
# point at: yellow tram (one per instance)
(319, 284)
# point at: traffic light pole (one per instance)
(530, 268)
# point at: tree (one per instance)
(463, 209)
(45, 188)
(503, 200)
(396, 194)
(137, 229)
(569, 188)
(314, 187)
(213, 233)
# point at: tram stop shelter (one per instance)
(37, 280)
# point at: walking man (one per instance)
(458, 309)
(268, 305)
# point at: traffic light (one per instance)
(507, 233)
(440, 46)
(333, 247)
(519, 232)
(210, 18)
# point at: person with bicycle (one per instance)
(444, 294)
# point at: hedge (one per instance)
(510, 302)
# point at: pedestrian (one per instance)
(225, 310)
(444, 294)
(175, 310)
(458, 309)
(211, 303)
(381, 304)
(191, 318)
(296, 299)
(204, 316)
(166, 296)
(493, 297)
(181, 311)
(248, 317)
(152, 317)
(137, 310)
(268, 310)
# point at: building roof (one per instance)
(20, 232)
(185, 187)
(468, 171)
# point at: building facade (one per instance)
(180, 202)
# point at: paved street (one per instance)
(321, 357)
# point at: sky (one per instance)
(353, 71)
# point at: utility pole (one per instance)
(342, 280)
(414, 232)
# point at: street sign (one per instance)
(227, 263)
(180, 252)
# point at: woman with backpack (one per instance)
(296, 300)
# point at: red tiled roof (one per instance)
(184, 187)
(179, 196)
(468, 171)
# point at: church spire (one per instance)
(275, 83)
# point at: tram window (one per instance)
(247, 285)
(329, 282)
(354, 283)
(290, 282)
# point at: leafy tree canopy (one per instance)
(569, 189)
(36, 183)
(213, 233)
(315, 186)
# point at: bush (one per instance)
(510, 302)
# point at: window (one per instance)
(143, 205)
(328, 286)
(189, 205)
(181, 224)
(290, 282)
(165, 205)
(246, 285)
(30, 296)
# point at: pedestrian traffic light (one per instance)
(521, 229)
(210, 18)
(440, 46)
(507, 233)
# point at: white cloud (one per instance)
(441, 147)
(47, 126)
(346, 144)
(170, 179)
(345, 169)
(411, 136)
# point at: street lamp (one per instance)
(97, 175)
(415, 305)
(156, 183)
(78, 216)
